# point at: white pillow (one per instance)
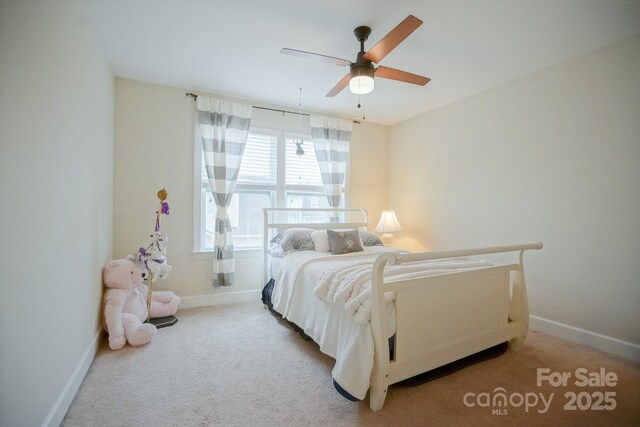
(276, 251)
(320, 241)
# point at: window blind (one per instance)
(301, 170)
(259, 160)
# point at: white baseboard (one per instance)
(220, 298)
(600, 342)
(59, 409)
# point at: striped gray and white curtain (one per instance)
(331, 136)
(223, 129)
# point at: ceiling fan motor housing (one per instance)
(362, 67)
(364, 70)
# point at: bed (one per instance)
(413, 312)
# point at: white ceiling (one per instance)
(232, 47)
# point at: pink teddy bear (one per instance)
(125, 305)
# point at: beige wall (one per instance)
(56, 182)
(553, 156)
(369, 173)
(154, 149)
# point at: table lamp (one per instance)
(387, 226)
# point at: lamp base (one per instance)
(387, 238)
(163, 322)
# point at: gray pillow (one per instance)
(370, 239)
(294, 239)
(343, 242)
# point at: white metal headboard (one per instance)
(279, 225)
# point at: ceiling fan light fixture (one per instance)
(361, 81)
(361, 85)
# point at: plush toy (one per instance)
(156, 261)
(125, 307)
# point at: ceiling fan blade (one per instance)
(344, 82)
(309, 55)
(402, 76)
(393, 39)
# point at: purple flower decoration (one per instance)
(165, 208)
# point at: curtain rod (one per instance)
(195, 97)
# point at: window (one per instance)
(271, 175)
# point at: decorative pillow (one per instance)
(342, 242)
(370, 239)
(320, 241)
(294, 239)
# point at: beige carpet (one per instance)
(238, 365)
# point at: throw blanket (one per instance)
(349, 285)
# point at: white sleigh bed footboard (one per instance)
(440, 319)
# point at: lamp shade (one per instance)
(388, 223)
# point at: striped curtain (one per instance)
(223, 128)
(331, 137)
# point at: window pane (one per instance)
(259, 160)
(301, 170)
(304, 200)
(245, 215)
(247, 231)
(210, 222)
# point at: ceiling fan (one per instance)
(362, 71)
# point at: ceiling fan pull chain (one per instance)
(360, 106)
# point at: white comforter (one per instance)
(348, 342)
(349, 286)
(342, 332)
